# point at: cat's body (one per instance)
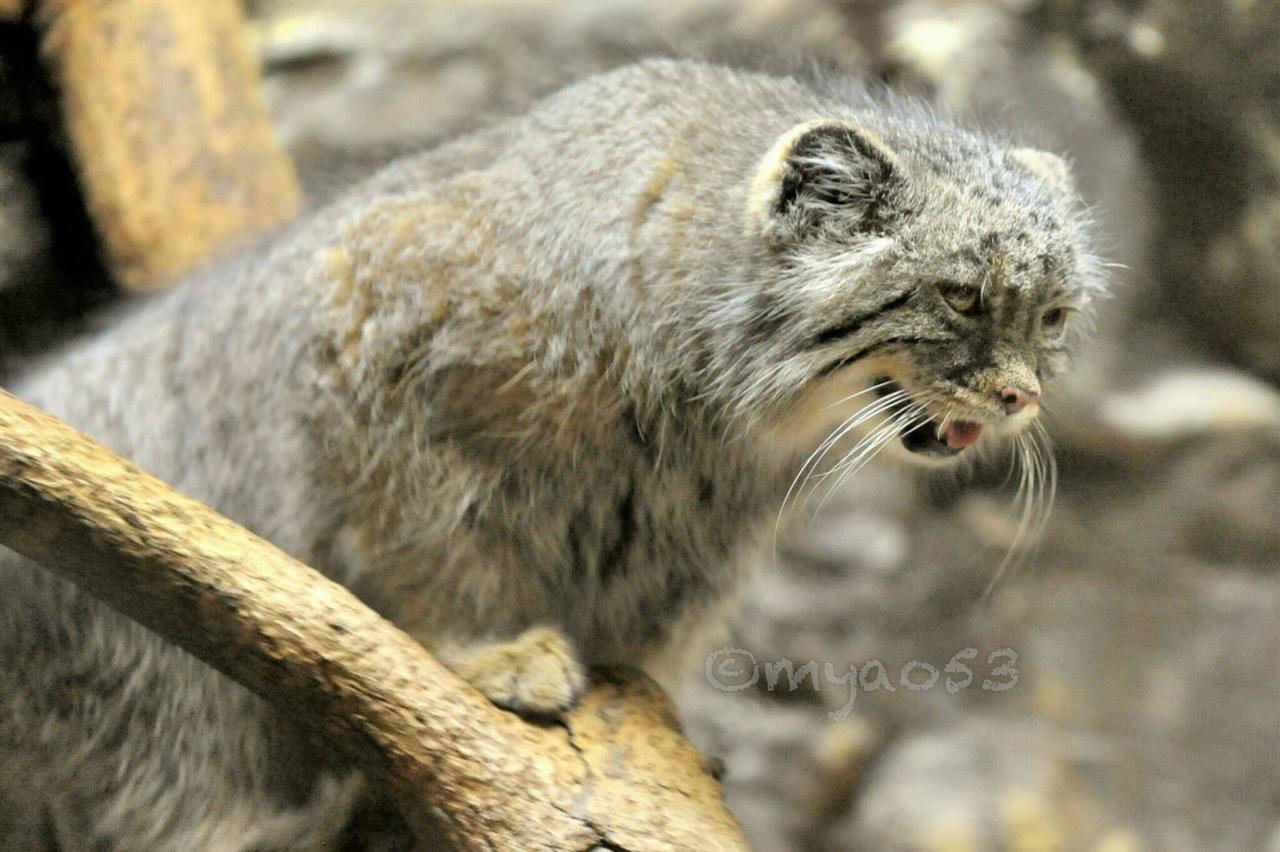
(529, 395)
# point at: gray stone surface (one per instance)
(353, 81)
(1196, 79)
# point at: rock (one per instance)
(1196, 81)
(174, 150)
(50, 274)
(1182, 403)
(982, 784)
(351, 84)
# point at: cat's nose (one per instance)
(1016, 399)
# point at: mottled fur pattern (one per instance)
(531, 394)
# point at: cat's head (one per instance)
(926, 283)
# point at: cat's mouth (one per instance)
(936, 436)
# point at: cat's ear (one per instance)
(824, 173)
(1051, 168)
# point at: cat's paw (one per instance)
(538, 672)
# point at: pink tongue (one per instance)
(961, 434)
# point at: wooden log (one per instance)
(614, 772)
(164, 112)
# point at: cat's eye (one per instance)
(962, 298)
(1054, 321)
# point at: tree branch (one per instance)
(615, 772)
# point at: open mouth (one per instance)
(933, 437)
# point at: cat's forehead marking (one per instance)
(996, 260)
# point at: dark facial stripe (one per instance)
(869, 350)
(849, 327)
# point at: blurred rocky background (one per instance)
(1118, 688)
(50, 274)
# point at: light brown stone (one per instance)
(174, 145)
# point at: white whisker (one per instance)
(869, 447)
(874, 387)
(808, 471)
(1037, 488)
(874, 436)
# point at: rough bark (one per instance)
(613, 773)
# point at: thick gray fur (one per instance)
(529, 394)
